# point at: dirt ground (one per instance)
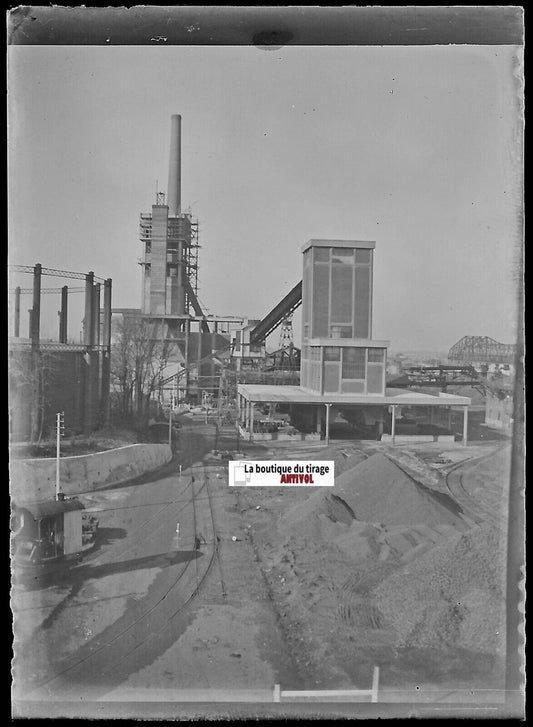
(403, 582)
(316, 586)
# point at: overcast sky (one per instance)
(417, 148)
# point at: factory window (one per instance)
(147, 270)
(332, 353)
(148, 246)
(375, 355)
(362, 302)
(320, 300)
(375, 379)
(342, 255)
(315, 353)
(331, 377)
(362, 255)
(172, 271)
(341, 293)
(353, 363)
(341, 331)
(322, 254)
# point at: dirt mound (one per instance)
(451, 595)
(378, 491)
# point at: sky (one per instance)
(417, 148)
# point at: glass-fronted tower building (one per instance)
(338, 353)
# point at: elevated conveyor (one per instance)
(273, 319)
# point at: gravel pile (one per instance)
(378, 491)
(452, 595)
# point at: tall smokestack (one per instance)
(174, 167)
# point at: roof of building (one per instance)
(50, 507)
(297, 395)
(368, 244)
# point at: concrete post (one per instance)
(465, 426)
(393, 424)
(449, 418)
(328, 406)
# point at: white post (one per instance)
(170, 426)
(375, 682)
(327, 424)
(465, 426)
(277, 693)
(393, 424)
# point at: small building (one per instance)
(48, 531)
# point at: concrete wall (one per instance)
(33, 480)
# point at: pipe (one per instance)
(174, 167)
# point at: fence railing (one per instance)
(338, 694)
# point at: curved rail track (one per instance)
(475, 511)
(149, 625)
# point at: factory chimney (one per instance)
(174, 167)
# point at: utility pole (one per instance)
(60, 430)
(170, 425)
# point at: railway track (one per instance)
(106, 657)
(475, 511)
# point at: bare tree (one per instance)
(139, 358)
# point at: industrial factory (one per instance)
(338, 373)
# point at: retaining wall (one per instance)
(34, 480)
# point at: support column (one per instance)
(393, 424)
(17, 312)
(106, 332)
(88, 320)
(63, 315)
(187, 362)
(36, 315)
(96, 315)
(465, 426)
(449, 419)
(328, 406)
(251, 421)
(106, 355)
